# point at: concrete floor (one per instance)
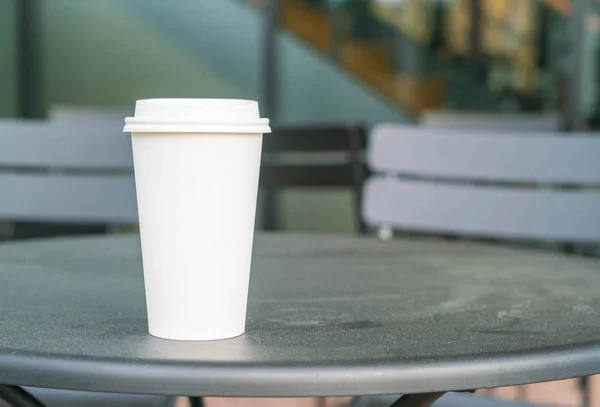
(564, 393)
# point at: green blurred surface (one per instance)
(8, 62)
(96, 54)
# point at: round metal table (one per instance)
(327, 316)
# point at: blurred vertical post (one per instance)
(575, 115)
(475, 37)
(270, 89)
(29, 58)
(338, 33)
(29, 72)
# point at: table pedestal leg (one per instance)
(17, 397)
(417, 400)
(196, 402)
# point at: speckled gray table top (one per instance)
(327, 316)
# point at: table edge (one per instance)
(294, 380)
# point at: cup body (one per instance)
(196, 195)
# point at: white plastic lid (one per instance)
(196, 116)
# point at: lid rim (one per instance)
(192, 121)
(196, 128)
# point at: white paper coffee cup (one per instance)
(196, 165)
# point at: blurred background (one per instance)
(308, 62)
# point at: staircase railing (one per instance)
(413, 73)
(421, 54)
